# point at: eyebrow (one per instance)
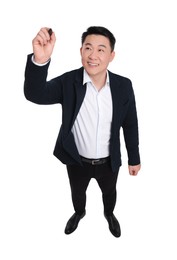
(100, 45)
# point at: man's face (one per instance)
(96, 54)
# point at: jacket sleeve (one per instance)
(130, 130)
(36, 87)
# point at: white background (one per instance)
(35, 198)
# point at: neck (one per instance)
(99, 80)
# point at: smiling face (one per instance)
(96, 55)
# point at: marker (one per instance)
(50, 31)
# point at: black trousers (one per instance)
(80, 176)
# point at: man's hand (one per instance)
(134, 169)
(43, 45)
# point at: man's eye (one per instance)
(101, 50)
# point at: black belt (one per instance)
(95, 161)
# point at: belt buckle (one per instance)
(95, 161)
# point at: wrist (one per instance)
(39, 62)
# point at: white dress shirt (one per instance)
(92, 127)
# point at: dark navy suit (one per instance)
(68, 90)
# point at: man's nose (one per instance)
(93, 55)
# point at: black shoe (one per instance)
(114, 226)
(73, 223)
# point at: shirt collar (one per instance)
(87, 79)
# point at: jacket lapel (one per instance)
(80, 91)
(117, 101)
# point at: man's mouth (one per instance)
(93, 64)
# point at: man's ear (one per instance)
(80, 50)
(112, 55)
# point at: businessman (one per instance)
(96, 103)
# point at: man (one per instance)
(95, 105)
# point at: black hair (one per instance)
(99, 30)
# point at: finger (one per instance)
(43, 36)
(133, 173)
(48, 32)
(39, 40)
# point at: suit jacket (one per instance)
(68, 90)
